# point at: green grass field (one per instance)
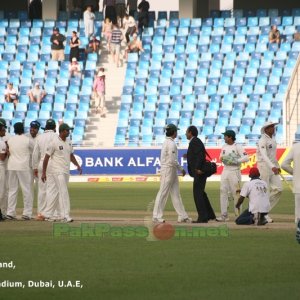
(251, 262)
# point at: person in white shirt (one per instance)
(18, 166)
(169, 183)
(39, 152)
(11, 94)
(74, 68)
(3, 172)
(130, 27)
(291, 164)
(232, 155)
(267, 163)
(61, 153)
(259, 204)
(36, 94)
(88, 19)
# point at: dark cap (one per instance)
(230, 133)
(254, 172)
(172, 127)
(64, 126)
(35, 124)
(3, 122)
(50, 124)
(56, 29)
(18, 127)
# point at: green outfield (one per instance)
(249, 262)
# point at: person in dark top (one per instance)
(110, 10)
(143, 15)
(74, 44)
(35, 9)
(57, 45)
(196, 156)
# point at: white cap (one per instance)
(37, 84)
(267, 124)
(100, 73)
(74, 59)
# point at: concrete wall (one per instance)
(50, 9)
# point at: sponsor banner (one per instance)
(143, 162)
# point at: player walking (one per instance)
(169, 183)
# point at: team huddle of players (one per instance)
(32, 157)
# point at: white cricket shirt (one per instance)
(169, 155)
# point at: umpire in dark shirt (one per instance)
(196, 156)
(57, 45)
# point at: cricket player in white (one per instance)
(20, 149)
(267, 163)
(4, 136)
(39, 152)
(169, 183)
(3, 172)
(259, 204)
(57, 176)
(232, 155)
(294, 157)
(32, 135)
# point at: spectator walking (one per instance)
(106, 31)
(132, 7)
(110, 10)
(120, 9)
(116, 39)
(57, 45)
(99, 93)
(129, 26)
(143, 15)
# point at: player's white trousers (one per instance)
(57, 195)
(230, 183)
(297, 207)
(169, 184)
(273, 181)
(42, 191)
(3, 189)
(22, 178)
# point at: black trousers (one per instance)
(203, 206)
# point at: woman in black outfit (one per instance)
(74, 44)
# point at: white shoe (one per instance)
(222, 219)
(50, 220)
(185, 220)
(68, 220)
(158, 220)
(269, 220)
